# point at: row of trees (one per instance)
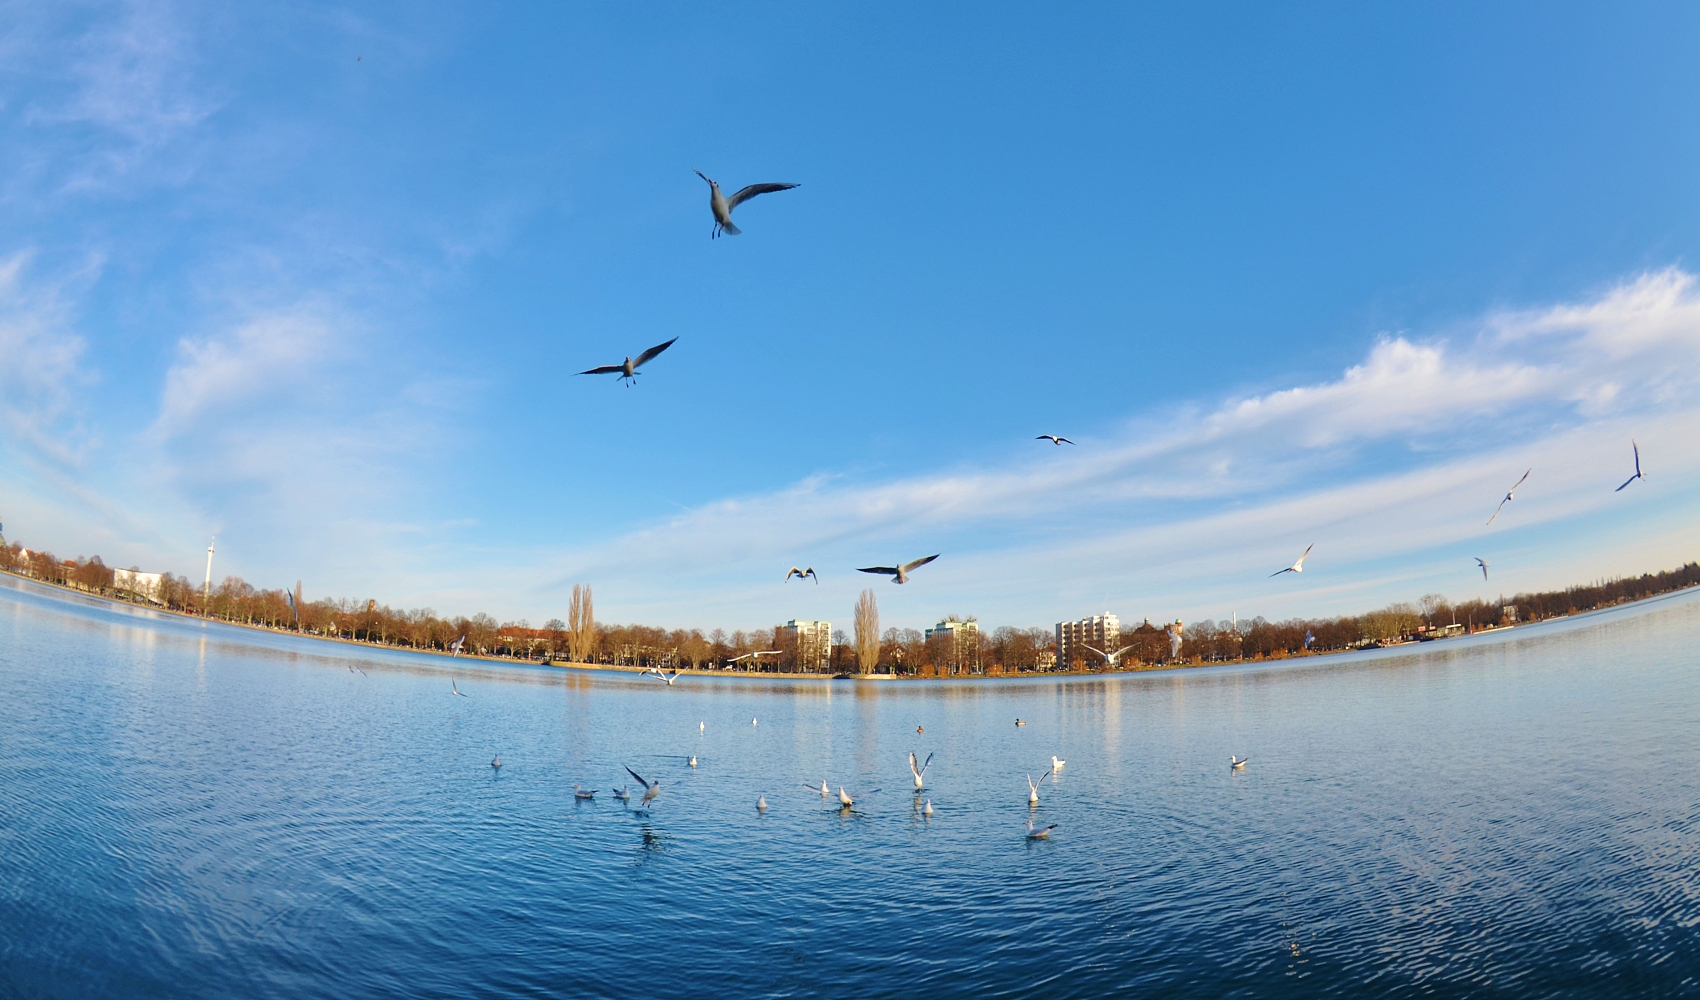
(581, 639)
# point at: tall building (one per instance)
(965, 648)
(813, 642)
(1102, 631)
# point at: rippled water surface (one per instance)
(193, 810)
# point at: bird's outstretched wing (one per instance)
(700, 174)
(651, 353)
(1278, 572)
(919, 562)
(811, 572)
(887, 570)
(638, 776)
(1302, 558)
(605, 370)
(1626, 482)
(1519, 482)
(1501, 507)
(746, 193)
(924, 763)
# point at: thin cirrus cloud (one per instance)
(43, 369)
(1393, 462)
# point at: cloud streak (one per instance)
(1400, 456)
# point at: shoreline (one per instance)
(1403, 648)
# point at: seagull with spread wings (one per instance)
(722, 206)
(899, 574)
(1033, 788)
(455, 688)
(918, 771)
(802, 574)
(650, 788)
(1510, 495)
(1058, 441)
(628, 369)
(1483, 564)
(1110, 657)
(1638, 474)
(669, 678)
(1297, 567)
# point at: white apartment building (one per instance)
(1101, 631)
(966, 636)
(813, 642)
(144, 585)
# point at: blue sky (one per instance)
(315, 280)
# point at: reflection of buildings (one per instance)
(1103, 631)
(812, 642)
(143, 585)
(964, 642)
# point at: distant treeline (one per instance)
(905, 651)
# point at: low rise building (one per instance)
(143, 585)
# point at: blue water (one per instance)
(193, 810)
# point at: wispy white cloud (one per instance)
(1402, 454)
(42, 375)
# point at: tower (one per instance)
(206, 588)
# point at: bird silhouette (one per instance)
(1058, 441)
(1483, 564)
(1298, 567)
(899, 574)
(628, 369)
(1510, 495)
(722, 206)
(802, 574)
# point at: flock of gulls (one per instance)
(845, 800)
(721, 207)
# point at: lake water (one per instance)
(193, 810)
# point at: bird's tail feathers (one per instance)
(730, 230)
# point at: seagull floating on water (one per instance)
(1483, 564)
(622, 794)
(1236, 763)
(1058, 441)
(823, 790)
(693, 762)
(650, 789)
(1510, 495)
(581, 795)
(899, 574)
(803, 574)
(1040, 834)
(497, 762)
(455, 688)
(761, 803)
(722, 206)
(1298, 567)
(1638, 474)
(1056, 764)
(919, 772)
(628, 369)
(1033, 789)
(927, 810)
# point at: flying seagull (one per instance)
(294, 612)
(900, 574)
(1483, 564)
(1626, 482)
(1298, 567)
(1110, 657)
(918, 771)
(669, 678)
(454, 647)
(629, 368)
(1236, 763)
(803, 574)
(1511, 493)
(722, 206)
(1058, 441)
(455, 688)
(1044, 833)
(650, 789)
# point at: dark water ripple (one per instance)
(197, 811)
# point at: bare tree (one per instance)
(867, 632)
(581, 624)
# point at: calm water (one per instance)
(197, 811)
